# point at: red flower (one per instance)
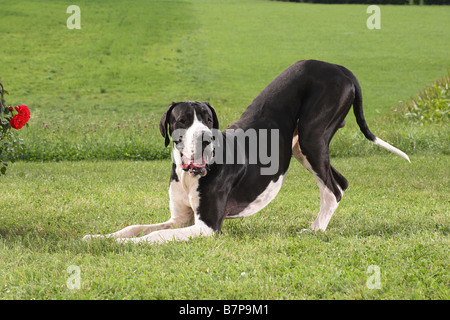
(19, 120)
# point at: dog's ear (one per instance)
(215, 120)
(163, 124)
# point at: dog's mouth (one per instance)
(195, 166)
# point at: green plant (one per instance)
(432, 105)
(10, 142)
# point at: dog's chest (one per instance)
(184, 190)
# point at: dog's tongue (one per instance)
(193, 164)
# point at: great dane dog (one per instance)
(296, 114)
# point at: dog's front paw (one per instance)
(89, 237)
(151, 238)
(124, 240)
(134, 240)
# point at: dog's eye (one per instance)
(209, 119)
(182, 121)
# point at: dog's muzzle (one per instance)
(201, 155)
(195, 167)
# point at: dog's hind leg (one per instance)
(330, 182)
(328, 205)
(321, 116)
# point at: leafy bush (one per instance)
(432, 105)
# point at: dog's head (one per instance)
(190, 125)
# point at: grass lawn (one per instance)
(394, 216)
(130, 60)
(97, 95)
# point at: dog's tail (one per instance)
(358, 110)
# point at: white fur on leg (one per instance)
(137, 230)
(328, 204)
(181, 234)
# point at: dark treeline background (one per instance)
(445, 2)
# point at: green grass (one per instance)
(130, 61)
(401, 226)
(97, 94)
(394, 215)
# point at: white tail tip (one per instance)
(392, 149)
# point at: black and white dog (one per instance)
(237, 172)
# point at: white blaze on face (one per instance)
(192, 147)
